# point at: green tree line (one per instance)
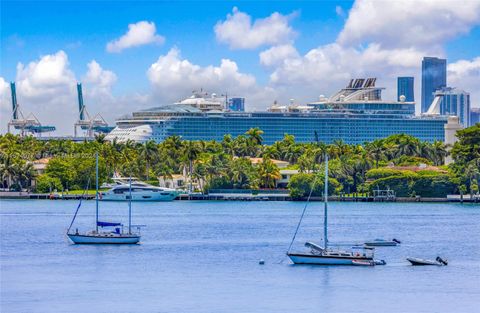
(226, 164)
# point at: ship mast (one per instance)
(325, 212)
(96, 192)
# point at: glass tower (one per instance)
(405, 88)
(434, 77)
(456, 102)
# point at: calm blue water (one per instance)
(203, 257)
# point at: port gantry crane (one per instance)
(29, 124)
(97, 124)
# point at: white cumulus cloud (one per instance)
(381, 39)
(5, 101)
(173, 77)
(239, 32)
(333, 65)
(465, 74)
(46, 87)
(46, 79)
(277, 55)
(101, 80)
(138, 34)
(408, 23)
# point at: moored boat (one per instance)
(104, 238)
(326, 255)
(382, 243)
(99, 235)
(420, 262)
(139, 191)
(363, 263)
(321, 256)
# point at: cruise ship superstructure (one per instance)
(355, 114)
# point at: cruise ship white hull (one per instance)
(300, 258)
(104, 239)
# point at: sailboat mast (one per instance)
(130, 206)
(96, 192)
(325, 212)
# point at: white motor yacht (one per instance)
(140, 192)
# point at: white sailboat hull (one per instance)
(324, 260)
(104, 239)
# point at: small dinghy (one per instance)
(363, 263)
(382, 243)
(418, 262)
(368, 262)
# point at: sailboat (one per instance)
(326, 255)
(99, 235)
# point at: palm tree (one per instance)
(306, 162)
(241, 146)
(148, 151)
(472, 172)
(293, 153)
(425, 150)
(25, 174)
(100, 138)
(390, 150)
(8, 170)
(190, 154)
(115, 154)
(255, 135)
(375, 151)
(268, 172)
(214, 166)
(242, 173)
(339, 147)
(408, 145)
(228, 145)
(439, 152)
(360, 166)
(163, 170)
(319, 153)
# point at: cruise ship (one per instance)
(355, 114)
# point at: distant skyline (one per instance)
(132, 54)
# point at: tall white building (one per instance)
(453, 125)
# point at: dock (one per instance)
(240, 195)
(43, 196)
(249, 195)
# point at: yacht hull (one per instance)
(150, 196)
(93, 239)
(423, 262)
(298, 258)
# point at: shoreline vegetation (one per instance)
(410, 167)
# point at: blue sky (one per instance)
(302, 49)
(31, 29)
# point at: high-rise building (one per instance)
(405, 88)
(236, 104)
(434, 77)
(452, 102)
(474, 116)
